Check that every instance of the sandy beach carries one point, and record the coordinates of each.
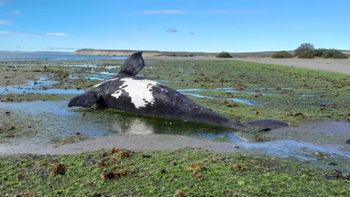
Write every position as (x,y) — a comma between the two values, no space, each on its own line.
(331,65)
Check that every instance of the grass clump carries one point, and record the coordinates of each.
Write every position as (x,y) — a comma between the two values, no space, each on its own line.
(224,55)
(282,54)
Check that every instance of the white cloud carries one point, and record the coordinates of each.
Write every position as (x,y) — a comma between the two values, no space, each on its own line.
(4,22)
(171,31)
(4,32)
(199,12)
(55,34)
(15,12)
(15,33)
(235,11)
(19,33)
(61,48)
(161,12)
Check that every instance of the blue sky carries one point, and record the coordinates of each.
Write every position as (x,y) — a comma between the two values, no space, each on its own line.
(173,25)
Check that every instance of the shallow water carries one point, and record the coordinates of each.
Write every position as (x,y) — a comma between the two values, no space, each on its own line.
(55,120)
(41,86)
(22,56)
(105,122)
(297,149)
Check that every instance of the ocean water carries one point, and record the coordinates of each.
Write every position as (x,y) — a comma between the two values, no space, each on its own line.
(21,56)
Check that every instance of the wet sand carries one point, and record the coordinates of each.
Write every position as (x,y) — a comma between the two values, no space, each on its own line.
(15,76)
(300,142)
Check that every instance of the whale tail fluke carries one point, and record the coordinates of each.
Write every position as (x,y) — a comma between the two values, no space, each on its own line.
(133,64)
(85,100)
(265,124)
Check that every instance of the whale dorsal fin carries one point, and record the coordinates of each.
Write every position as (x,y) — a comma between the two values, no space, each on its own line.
(133,64)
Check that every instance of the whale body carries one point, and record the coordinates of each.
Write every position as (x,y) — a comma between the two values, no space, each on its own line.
(130,93)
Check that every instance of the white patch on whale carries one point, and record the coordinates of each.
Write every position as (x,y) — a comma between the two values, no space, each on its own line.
(139,91)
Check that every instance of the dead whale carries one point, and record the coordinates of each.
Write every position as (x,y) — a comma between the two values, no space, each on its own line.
(134,94)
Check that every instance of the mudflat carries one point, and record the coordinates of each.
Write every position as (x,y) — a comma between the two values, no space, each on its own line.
(202,81)
(315,150)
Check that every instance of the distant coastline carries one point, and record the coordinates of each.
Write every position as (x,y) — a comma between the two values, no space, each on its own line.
(147,53)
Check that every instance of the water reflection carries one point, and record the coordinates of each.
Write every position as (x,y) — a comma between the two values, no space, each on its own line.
(125,123)
(135,126)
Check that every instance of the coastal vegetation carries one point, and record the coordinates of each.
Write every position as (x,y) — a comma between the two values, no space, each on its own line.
(224,55)
(282,54)
(307,51)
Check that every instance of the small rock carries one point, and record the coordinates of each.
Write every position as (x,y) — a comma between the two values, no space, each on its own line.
(347,141)
(146,156)
(336,173)
(58,169)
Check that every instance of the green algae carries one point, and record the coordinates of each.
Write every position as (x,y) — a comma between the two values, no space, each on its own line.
(161,173)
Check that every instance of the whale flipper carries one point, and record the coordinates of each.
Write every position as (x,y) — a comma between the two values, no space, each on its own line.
(265,124)
(133,64)
(85,100)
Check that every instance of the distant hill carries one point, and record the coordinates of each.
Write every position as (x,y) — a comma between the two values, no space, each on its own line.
(150,53)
